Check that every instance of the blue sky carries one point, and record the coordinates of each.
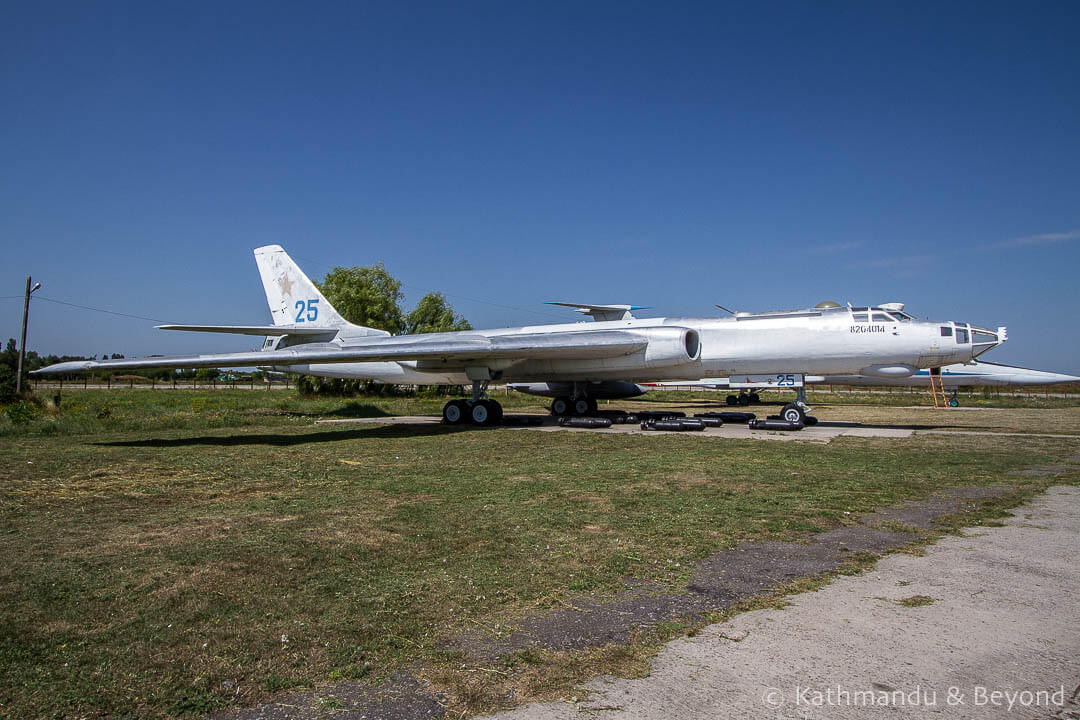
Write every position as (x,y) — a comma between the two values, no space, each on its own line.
(756,155)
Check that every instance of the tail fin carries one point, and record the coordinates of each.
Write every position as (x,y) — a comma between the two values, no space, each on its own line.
(293,298)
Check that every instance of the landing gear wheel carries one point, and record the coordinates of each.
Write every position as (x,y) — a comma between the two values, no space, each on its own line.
(744,399)
(754,398)
(560,406)
(584,406)
(485,413)
(793,413)
(454,412)
(732,400)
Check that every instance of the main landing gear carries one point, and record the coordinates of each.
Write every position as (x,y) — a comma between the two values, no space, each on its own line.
(480,410)
(577,403)
(563,406)
(743,398)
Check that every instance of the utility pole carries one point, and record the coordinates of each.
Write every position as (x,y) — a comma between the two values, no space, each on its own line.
(22,344)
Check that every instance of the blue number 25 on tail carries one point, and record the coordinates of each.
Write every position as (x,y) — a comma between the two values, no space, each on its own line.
(311,306)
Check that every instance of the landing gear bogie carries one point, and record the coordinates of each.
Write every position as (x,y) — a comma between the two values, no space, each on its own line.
(577,407)
(482,413)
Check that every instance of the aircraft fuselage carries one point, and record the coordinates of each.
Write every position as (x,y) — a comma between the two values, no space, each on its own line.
(829,342)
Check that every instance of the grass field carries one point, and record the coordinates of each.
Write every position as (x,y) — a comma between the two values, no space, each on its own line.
(170,553)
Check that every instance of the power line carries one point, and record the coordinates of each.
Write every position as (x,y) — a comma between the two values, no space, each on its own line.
(306,259)
(100,310)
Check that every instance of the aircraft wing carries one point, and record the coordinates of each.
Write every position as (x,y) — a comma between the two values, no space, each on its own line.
(457,349)
(262,330)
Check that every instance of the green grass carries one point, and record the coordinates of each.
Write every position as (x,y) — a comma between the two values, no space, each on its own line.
(89,412)
(198,550)
(916,601)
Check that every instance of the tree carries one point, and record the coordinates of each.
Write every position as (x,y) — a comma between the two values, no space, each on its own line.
(7,383)
(434,314)
(10,355)
(366,296)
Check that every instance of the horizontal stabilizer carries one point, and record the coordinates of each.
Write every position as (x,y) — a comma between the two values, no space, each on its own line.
(263,330)
(601,313)
(457,349)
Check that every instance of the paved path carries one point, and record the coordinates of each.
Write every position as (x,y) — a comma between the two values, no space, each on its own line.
(1005,618)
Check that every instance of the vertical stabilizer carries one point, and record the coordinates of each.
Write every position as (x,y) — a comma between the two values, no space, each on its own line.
(293,298)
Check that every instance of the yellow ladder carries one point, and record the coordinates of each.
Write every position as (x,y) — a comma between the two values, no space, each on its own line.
(934,387)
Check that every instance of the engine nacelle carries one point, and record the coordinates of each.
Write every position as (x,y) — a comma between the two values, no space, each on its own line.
(671,346)
(888,371)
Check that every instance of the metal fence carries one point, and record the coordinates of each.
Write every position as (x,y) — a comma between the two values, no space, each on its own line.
(131,382)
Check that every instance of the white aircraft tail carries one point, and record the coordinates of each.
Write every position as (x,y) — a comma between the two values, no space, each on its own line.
(293,298)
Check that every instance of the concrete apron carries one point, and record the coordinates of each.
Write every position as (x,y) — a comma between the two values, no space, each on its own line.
(1000,639)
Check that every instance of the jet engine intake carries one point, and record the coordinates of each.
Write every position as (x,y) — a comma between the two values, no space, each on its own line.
(671,346)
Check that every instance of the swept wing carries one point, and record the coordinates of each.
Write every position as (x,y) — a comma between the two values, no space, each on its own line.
(458,349)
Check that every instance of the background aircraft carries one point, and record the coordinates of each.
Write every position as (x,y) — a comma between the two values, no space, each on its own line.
(600,359)
(977,373)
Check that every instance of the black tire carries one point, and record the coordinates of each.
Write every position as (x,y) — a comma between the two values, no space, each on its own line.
(732,400)
(792,413)
(560,406)
(581,407)
(744,400)
(482,413)
(496,412)
(754,398)
(455,412)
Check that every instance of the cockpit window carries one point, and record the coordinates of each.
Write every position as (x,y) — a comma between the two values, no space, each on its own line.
(983,337)
(946,331)
(961,336)
(902,316)
(882,317)
(859,316)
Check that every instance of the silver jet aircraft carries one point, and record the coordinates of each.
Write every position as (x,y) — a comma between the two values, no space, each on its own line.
(602,359)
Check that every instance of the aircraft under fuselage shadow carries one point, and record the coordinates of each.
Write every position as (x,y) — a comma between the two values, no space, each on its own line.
(395,430)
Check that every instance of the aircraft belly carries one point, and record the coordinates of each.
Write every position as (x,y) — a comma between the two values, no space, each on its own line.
(545,370)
